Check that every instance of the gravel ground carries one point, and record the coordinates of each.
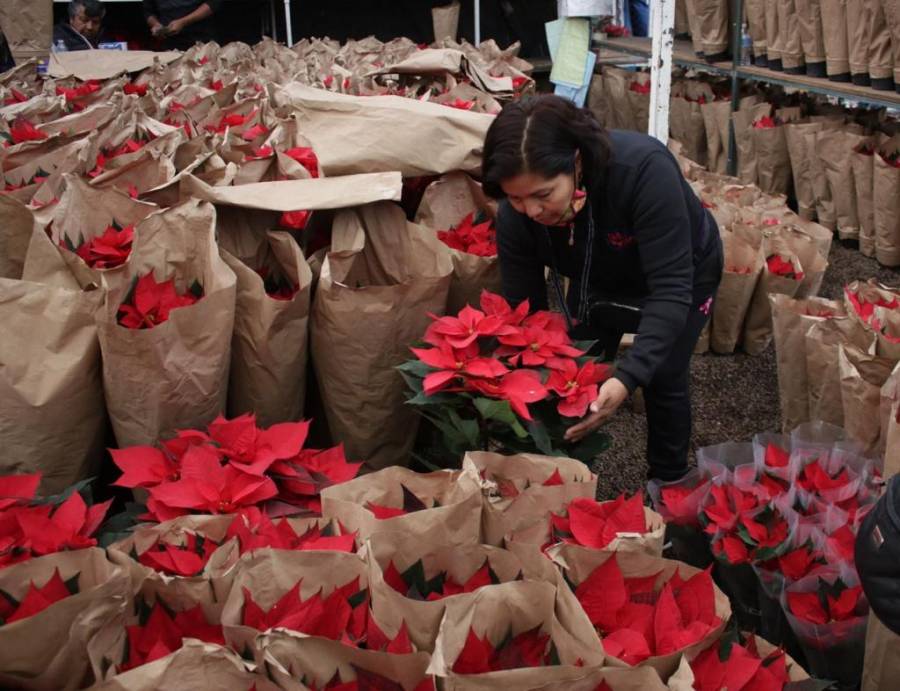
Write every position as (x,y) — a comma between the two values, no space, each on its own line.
(734,396)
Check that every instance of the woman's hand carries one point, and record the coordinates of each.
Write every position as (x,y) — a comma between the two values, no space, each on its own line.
(175,27)
(612,394)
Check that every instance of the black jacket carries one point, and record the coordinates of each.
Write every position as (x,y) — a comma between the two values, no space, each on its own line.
(650,232)
(878,556)
(167,10)
(66,38)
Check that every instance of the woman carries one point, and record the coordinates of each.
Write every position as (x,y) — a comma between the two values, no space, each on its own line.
(613,213)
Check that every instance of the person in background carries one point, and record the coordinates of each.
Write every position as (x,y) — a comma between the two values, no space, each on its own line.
(81,31)
(181,23)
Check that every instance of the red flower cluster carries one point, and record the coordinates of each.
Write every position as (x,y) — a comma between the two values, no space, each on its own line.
(30,530)
(778,266)
(164,633)
(150,302)
(23,131)
(866,309)
(15,96)
(86,89)
(829,602)
(108,250)
(679,503)
(739,668)
(596,524)
(185,560)
(767,122)
(135,89)
(638,621)
(639,88)
(232,465)
(413,584)
(479,239)
(255,530)
(460,104)
(37,599)
(474,350)
(342,615)
(528,649)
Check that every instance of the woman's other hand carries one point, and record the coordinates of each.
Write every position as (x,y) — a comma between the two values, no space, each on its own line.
(611,396)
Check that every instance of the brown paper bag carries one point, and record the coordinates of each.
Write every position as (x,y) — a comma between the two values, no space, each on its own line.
(774,37)
(812,38)
(47,651)
(773,160)
(639,102)
(179,593)
(882,663)
(791,320)
(52,417)
(716,146)
(834,23)
(174,375)
(514,489)
(269,347)
(446,21)
(378,283)
(597,102)
(859,21)
(517,607)
(825,212)
(862,162)
(822,341)
(460,563)
(808,252)
(758,325)
(577,563)
(743,265)
(16,225)
(835,148)
(83,213)
(742,121)
(756,20)
(270,573)
(294,660)
(687,125)
(713,20)
(801,167)
(446,202)
(886,201)
(455,501)
(694,24)
(862,377)
(196,666)
(28,28)
(615,82)
(354,134)
(789,35)
(880,41)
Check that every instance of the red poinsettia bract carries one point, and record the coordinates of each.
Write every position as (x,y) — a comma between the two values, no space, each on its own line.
(36,599)
(596,524)
(527,649)
(479,239)
(164,633)
(108,250)
(151,303)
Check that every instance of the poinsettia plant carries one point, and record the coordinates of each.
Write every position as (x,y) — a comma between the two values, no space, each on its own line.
(829,602)
(22,131)
(32,527)
(149,303)
(737,664)
(528,649)
(596,524)
(501,378)
(638,620)
(478,238)
(36,599)
(414,584)
(777,265)
(255,530)
(160,632)
(186,559)
(105,251)
(231,465)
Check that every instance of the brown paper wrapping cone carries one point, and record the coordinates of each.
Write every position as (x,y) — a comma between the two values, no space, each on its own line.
(378,284)
(501,514)
(456,521)
(862,377)
(48,650)
(577,563)
(174,375)
(734,294)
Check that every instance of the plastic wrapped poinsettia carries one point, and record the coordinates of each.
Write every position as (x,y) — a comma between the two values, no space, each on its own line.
(499,377)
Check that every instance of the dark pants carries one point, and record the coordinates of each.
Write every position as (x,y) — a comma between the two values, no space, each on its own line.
(667,396)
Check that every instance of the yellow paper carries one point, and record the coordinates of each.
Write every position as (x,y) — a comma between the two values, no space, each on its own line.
(570,58)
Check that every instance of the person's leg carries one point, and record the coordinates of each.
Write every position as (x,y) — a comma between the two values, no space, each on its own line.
(667,397)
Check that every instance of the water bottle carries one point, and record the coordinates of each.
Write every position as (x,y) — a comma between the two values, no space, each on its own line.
(746,45)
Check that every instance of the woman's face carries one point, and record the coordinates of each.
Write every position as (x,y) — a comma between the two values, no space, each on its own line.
(545,200)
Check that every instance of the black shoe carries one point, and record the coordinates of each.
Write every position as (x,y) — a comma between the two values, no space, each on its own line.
(717,57)
(775,65)
(861,79)
(843,78)
(816,69)
(886,84)
(760,61)
(795,70)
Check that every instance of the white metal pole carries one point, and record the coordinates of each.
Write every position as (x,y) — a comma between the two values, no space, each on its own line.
(662,28)
(477,22)
(289,32)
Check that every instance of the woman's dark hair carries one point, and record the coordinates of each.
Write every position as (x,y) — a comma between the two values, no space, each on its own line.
(541,135)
